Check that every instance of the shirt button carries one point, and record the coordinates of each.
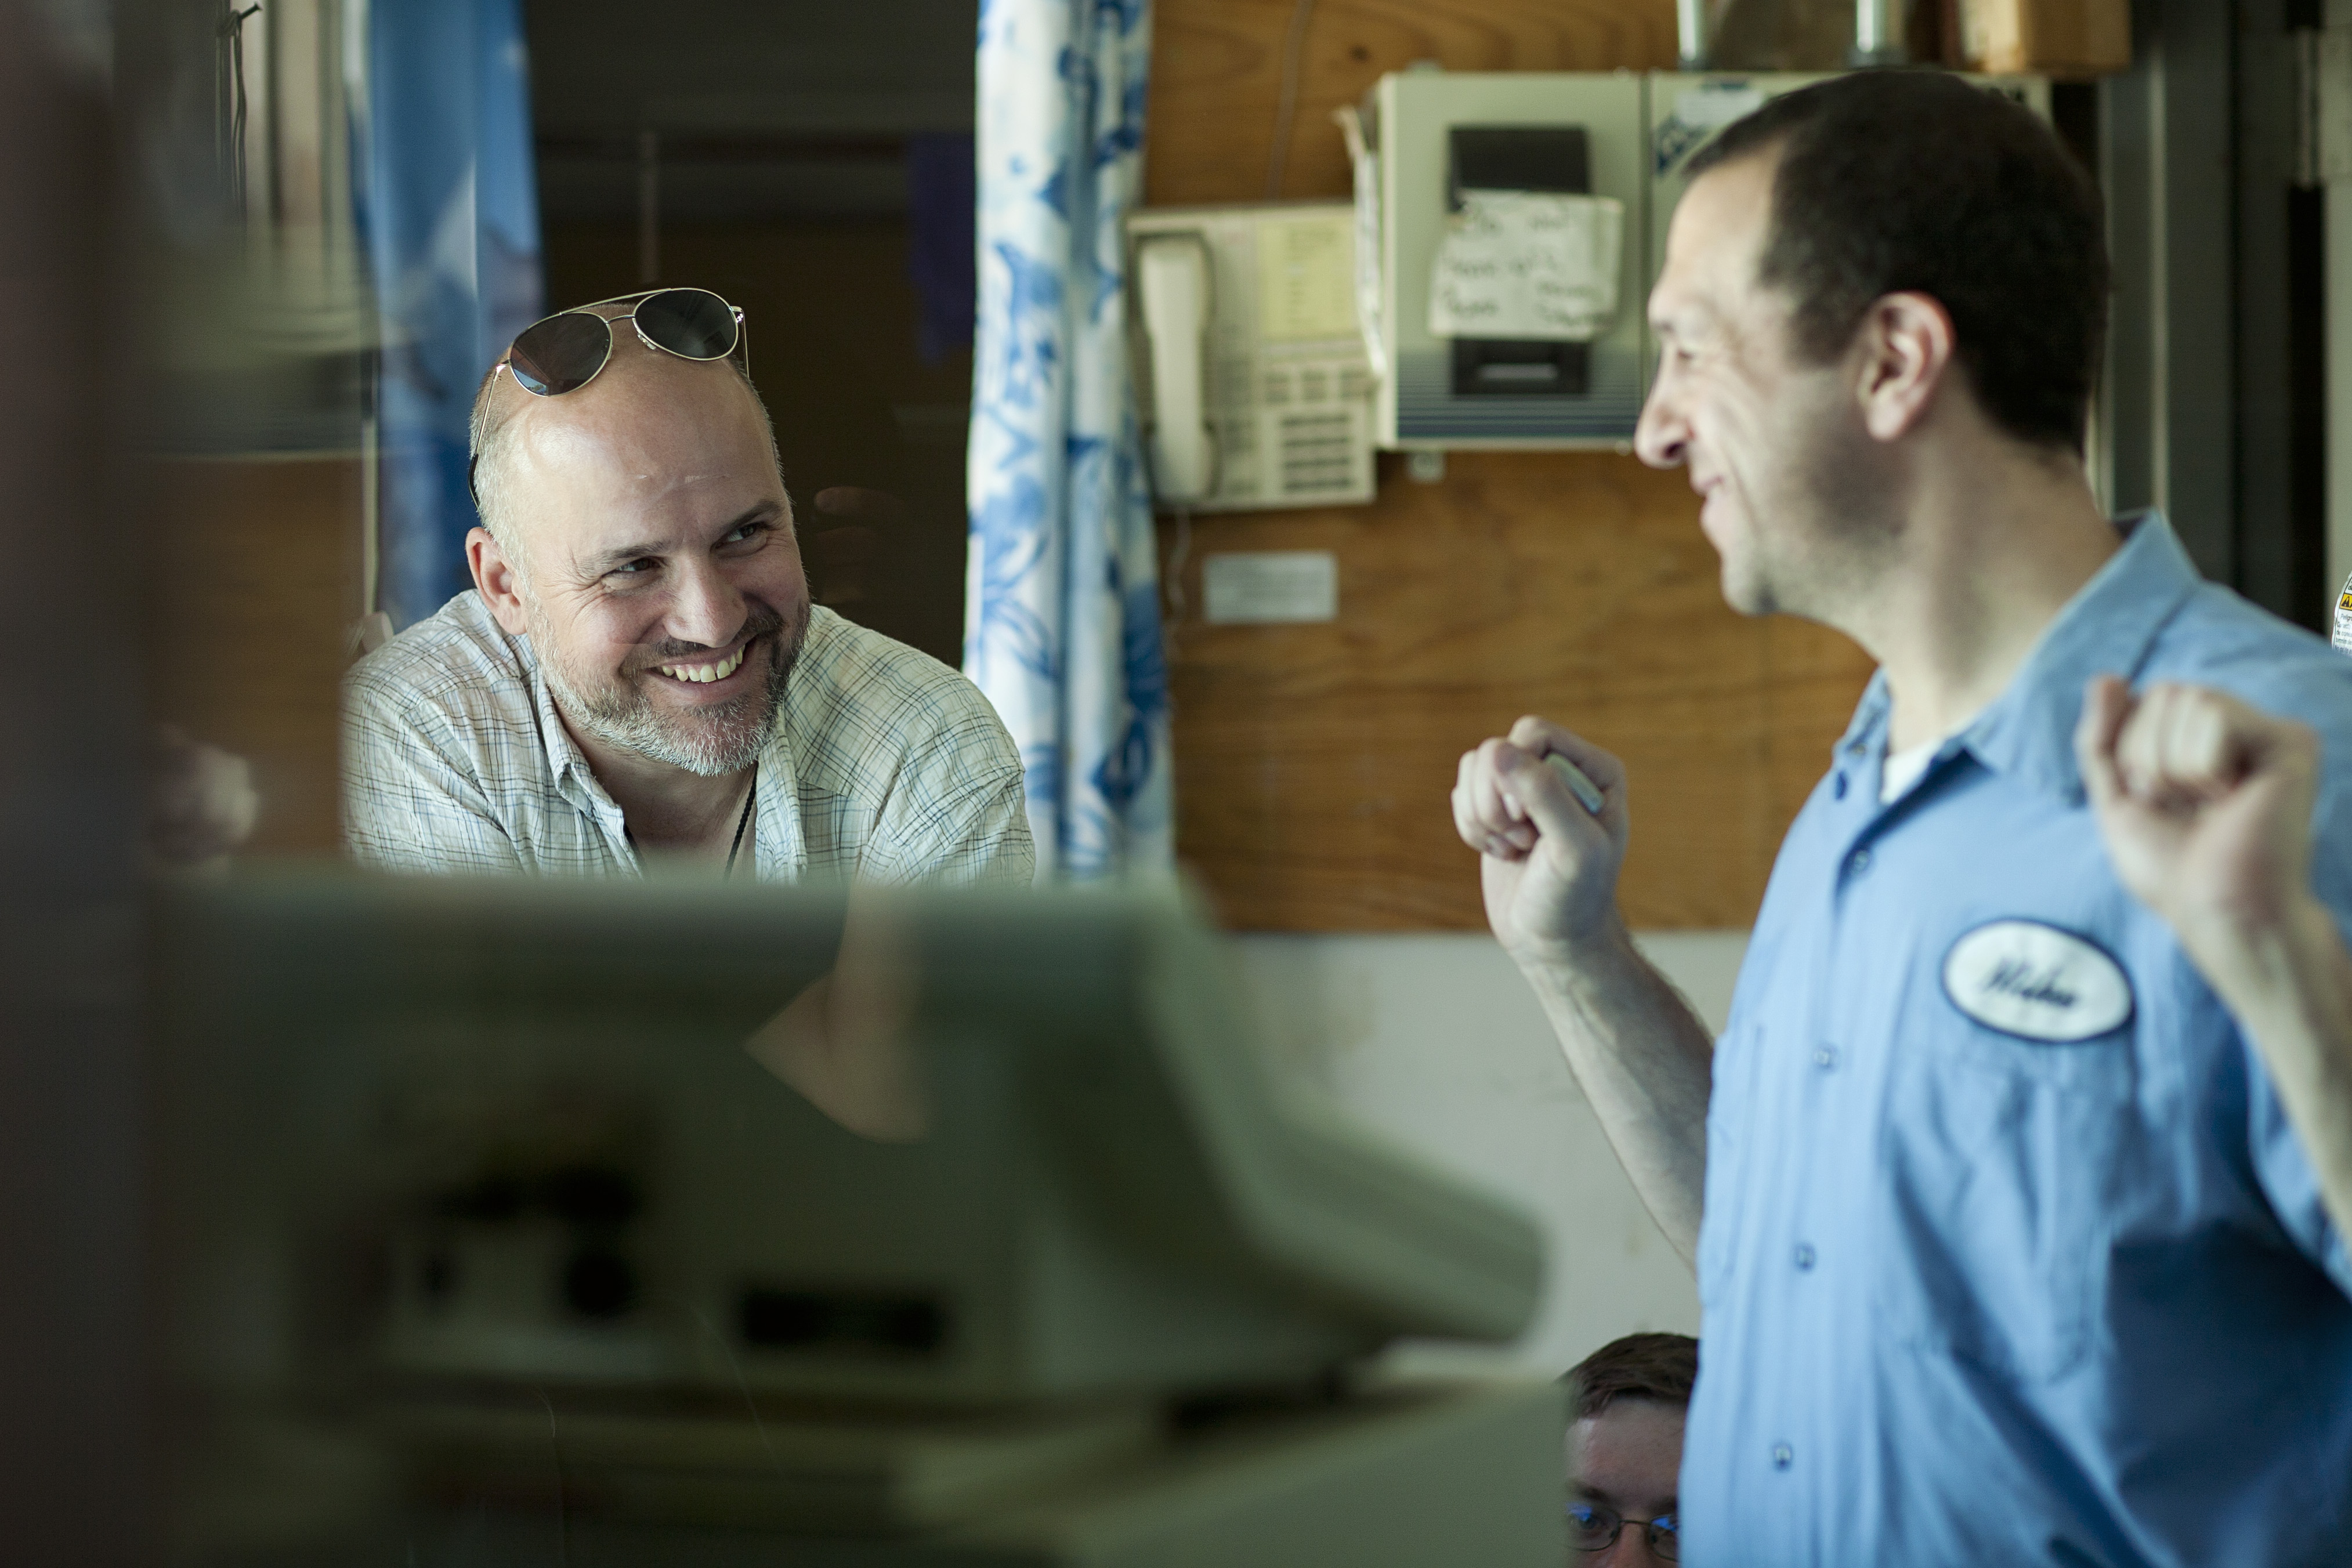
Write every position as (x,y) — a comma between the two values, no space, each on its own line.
(1783,1455)
(1858,862)
(1838,788)
(1826,1059)
(1804,1255)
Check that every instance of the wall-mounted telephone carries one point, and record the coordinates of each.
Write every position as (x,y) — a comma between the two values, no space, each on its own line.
(1251,373)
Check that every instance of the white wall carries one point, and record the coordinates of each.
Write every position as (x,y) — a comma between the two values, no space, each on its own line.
(1435,1040)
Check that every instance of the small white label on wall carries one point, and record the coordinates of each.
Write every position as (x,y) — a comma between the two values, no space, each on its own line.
(1270,588)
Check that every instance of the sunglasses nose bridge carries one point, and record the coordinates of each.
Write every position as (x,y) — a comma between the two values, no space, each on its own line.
(643,341)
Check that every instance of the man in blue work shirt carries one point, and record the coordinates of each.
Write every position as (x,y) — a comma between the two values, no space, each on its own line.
(2026,1158)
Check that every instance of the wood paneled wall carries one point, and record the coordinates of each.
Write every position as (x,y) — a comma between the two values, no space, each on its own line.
(256,583)
(1313,762)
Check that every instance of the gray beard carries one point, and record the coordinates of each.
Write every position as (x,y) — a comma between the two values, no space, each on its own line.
(714,743)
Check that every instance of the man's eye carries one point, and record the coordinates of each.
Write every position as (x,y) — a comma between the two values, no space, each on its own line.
(1591,1524)
(747,533)
(632,569)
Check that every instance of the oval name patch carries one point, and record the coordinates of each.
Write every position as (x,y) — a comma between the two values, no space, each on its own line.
(2037,982)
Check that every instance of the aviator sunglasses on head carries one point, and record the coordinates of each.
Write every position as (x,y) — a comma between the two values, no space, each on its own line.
(562,353)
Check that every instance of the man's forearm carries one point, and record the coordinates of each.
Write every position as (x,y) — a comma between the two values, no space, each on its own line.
(1644,1062)
(2290,989)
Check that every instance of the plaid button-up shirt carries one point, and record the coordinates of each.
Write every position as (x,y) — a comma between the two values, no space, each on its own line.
(885,764)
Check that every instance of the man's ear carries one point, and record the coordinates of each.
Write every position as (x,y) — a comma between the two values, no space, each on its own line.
(499,578)
(1905,346)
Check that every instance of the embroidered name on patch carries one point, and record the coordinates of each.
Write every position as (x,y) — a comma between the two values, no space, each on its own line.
(2037,982)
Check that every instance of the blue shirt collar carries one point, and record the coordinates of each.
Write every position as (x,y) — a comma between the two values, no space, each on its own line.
(2107,628)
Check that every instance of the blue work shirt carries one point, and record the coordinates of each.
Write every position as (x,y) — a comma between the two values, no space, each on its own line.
(2009,1254)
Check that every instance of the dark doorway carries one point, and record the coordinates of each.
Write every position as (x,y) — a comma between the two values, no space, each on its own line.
(811,161)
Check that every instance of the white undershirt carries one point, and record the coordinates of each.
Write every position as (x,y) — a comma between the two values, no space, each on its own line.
(1903,769)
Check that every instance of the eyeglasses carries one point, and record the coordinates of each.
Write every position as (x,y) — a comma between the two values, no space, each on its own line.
(562,353)
(1593,1528)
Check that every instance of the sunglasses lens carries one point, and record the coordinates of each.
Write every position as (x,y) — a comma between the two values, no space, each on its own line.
(692,323)
(558,355)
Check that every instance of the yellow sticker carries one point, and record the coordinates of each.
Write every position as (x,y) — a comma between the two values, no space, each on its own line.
(1306,278)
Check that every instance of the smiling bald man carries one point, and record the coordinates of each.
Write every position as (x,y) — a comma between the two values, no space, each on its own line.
(638,680)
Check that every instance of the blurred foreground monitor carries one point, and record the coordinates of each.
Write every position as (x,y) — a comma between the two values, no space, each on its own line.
(571,1223)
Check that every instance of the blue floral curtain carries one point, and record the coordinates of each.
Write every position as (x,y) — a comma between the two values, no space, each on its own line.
(1063,596)
(450,208)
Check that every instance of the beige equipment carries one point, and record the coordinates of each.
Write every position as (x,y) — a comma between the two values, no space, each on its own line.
(485,1237)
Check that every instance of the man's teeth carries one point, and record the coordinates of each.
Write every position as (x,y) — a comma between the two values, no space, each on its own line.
(702,674)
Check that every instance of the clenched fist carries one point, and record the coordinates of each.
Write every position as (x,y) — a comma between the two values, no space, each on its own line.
(2205,805)
(1548,866)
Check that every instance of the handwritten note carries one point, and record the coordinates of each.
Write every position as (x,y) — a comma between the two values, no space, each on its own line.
(1520,265)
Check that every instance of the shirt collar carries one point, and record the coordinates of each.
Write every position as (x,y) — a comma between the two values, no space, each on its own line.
(573,779)
(2107,628)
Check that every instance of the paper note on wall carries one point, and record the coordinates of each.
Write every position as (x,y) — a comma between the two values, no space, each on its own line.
(1528,265)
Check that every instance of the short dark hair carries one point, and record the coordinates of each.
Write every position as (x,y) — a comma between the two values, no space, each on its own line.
(1894,181)
(1660,1367)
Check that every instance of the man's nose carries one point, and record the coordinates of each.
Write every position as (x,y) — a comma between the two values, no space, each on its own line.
(706,609)
(1661,435)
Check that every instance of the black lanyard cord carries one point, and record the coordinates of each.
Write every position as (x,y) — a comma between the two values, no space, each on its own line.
(741,822)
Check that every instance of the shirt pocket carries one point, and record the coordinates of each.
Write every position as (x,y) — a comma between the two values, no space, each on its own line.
(1998,1153)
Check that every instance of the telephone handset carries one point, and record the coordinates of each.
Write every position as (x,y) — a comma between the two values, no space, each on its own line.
(1172,274)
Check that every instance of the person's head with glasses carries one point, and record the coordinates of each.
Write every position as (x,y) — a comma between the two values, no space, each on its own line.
(636,529)
(1626,1404)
